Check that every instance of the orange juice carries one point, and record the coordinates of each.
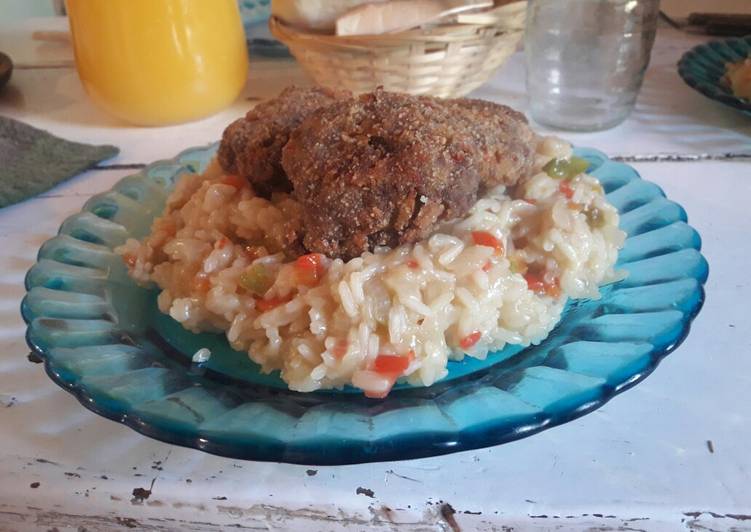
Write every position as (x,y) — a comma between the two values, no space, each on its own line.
(154,62)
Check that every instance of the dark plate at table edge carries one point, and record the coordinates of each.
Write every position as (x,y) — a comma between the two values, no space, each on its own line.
(714,91)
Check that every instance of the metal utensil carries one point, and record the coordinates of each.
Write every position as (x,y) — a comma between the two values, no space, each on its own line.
(732,25)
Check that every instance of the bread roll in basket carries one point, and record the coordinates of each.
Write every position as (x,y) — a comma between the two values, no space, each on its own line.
(447,59)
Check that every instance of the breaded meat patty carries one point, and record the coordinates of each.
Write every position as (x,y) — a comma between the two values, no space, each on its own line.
(380,169)
(251,146)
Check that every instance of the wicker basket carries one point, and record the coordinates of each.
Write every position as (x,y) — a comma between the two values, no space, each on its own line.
(447,60)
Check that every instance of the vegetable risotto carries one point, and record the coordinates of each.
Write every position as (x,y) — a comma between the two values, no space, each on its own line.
(500,275)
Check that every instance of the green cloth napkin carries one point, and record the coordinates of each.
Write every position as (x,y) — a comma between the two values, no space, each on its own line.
(32,160)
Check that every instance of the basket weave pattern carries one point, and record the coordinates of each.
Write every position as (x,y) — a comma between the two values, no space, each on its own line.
(447,60)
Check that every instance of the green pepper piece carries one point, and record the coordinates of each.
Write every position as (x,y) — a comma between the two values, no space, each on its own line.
(595,217)
(517,263)
(256,279)
(559,168)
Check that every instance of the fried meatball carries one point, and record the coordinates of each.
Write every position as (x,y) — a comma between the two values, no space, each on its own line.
(381,169)
(504,141)
(251,146)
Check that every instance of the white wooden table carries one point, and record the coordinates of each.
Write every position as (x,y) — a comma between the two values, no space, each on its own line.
(670,454)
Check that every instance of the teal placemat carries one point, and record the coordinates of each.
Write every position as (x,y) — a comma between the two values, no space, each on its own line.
(33,161)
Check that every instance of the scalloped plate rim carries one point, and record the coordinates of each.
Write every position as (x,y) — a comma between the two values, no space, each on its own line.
(230,451)
(459,440)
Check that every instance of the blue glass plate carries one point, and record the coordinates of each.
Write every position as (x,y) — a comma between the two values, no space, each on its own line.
(703,67)
(103,340)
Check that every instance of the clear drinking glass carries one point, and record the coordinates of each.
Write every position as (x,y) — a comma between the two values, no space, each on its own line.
(586,60)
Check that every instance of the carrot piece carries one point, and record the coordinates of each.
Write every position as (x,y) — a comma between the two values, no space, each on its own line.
(308,269)
(390,367)
(553,289)
(537,284)
(391,364)
(483,238)
(382,394)
(566,189)
(234,181)
(264,305)
(534,282)
(470,340)
(340,348)
(169,227)
(412,263)
(202,283)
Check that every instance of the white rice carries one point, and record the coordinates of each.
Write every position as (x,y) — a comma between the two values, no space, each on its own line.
(420,300)
(202,355)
